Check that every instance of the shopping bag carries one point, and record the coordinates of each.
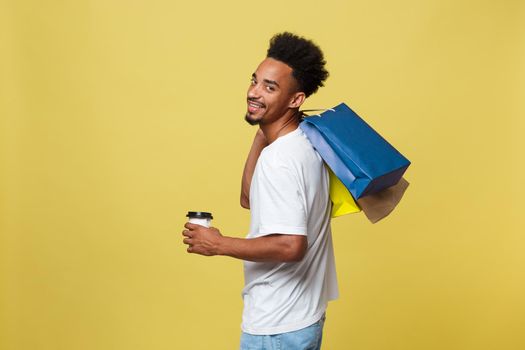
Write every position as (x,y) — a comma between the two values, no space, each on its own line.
(377,206)
(361,158)
(342,201)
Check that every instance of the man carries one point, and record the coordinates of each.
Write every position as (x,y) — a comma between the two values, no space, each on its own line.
(288,255)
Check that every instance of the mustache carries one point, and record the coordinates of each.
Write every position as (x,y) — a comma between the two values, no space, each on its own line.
(251,99)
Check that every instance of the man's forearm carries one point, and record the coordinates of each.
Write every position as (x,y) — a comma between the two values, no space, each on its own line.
(259,142)
(271,248)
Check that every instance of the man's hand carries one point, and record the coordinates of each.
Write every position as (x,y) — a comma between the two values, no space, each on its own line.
(201,240)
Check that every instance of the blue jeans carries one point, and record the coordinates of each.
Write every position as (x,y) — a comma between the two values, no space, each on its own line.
(308,338)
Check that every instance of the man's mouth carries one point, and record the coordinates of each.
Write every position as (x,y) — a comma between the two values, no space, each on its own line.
(253,107)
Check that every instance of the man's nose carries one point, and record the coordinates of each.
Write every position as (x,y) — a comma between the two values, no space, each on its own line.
(253,91)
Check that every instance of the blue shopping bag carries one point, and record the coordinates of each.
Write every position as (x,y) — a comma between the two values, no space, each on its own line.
(363,160)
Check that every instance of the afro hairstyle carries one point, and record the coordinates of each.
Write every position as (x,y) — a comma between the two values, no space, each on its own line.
(304,57)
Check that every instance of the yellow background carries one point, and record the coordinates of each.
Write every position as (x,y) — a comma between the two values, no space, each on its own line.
(117,117)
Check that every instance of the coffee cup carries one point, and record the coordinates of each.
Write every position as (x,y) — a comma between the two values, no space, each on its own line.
(200,218)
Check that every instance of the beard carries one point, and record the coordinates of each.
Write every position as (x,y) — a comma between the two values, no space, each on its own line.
(251,121)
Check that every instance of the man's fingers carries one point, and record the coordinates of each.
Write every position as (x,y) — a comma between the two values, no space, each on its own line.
(186,233)
(188,241)
(190,226)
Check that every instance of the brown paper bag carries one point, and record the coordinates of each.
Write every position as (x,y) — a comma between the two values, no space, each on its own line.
(378,205)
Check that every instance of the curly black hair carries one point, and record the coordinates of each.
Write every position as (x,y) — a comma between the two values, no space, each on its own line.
(304,57)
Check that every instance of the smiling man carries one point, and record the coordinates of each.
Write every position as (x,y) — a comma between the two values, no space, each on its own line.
(288,255)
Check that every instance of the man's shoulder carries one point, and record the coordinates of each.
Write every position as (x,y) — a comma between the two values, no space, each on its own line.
(292,143)
(291,152)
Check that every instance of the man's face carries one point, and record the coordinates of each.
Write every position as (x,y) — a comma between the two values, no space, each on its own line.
(271,91)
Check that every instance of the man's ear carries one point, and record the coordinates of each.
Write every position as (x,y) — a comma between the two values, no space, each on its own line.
(297,100)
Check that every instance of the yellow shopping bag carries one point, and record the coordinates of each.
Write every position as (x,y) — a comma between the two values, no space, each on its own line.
(342,200)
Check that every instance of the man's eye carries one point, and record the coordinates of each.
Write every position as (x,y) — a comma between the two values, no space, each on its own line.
(270,88)
(252,81)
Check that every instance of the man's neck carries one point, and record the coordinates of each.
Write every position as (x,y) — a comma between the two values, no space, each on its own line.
(282,126)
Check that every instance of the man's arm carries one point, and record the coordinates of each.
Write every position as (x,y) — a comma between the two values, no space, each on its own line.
(259,142)
(271,248)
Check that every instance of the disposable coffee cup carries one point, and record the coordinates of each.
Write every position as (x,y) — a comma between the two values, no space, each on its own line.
(200,218)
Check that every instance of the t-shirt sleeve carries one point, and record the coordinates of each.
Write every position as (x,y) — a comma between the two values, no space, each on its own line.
(281,199)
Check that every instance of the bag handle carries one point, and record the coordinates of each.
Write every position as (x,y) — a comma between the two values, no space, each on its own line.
(315,110)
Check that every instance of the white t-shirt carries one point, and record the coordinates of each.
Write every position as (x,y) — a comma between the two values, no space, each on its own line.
(289,195)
